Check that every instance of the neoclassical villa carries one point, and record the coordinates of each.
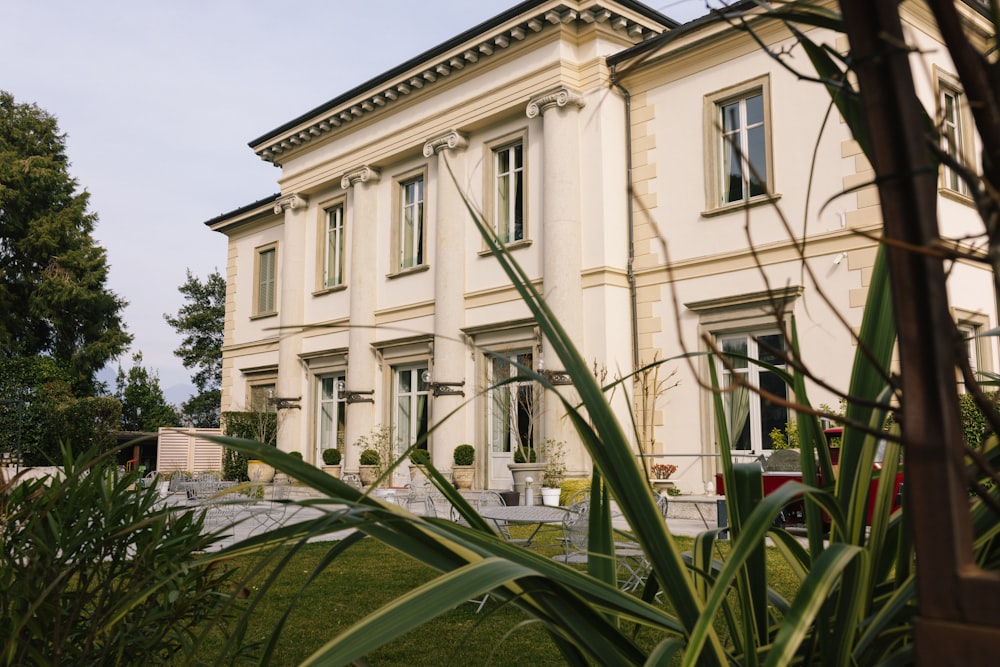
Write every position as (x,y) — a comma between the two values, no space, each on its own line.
(655,180)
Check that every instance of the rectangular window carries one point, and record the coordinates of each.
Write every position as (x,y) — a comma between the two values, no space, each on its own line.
(508,193)
(750,418)
(334,247)
(738,144)
(411,223)
(410,397)
(513,404)
(266,280)
(261,398)
(744,161)
(332,415)
(952,137)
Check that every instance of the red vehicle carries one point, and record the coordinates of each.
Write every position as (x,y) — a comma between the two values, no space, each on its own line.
(794,513)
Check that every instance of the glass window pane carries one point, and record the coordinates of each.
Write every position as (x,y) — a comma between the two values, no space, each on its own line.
(772,415)
(757,156)
(518,232)
(736,346)
(730,117)
(732,173)
(755,110)
(766,344)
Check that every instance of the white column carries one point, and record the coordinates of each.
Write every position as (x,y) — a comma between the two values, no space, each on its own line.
(362,291)
(291,263)
(561,225)
(449,295)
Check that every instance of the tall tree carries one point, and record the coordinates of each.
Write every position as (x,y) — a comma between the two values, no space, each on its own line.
(200,321)
(53,275)
(144,408)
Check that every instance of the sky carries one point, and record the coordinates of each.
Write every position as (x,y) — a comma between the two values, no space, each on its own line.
(159,100)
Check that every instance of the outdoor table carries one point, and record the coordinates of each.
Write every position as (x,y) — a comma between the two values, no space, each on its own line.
(537,515)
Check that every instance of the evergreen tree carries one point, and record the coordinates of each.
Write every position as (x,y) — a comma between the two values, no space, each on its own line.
(144,408)
(200,321)
(52,273)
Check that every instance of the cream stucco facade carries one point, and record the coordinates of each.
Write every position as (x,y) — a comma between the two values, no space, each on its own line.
(362,295)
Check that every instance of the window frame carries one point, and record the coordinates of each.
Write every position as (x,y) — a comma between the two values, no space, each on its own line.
(269,387)
(492,149)
(949,181)
(338,401)
(260,288)
(513,395)
(716,146)
(399,205)
(324,247)
(418,396)
(760,425)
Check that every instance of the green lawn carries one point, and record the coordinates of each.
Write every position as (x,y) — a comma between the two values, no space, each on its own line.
(369,575)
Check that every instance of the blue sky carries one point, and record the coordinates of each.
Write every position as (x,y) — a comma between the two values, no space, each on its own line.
(159,100)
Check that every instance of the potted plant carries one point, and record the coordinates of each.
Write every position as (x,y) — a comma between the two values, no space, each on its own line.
(463,470)
(525,467)
(419,459)
(331,462)
(369,465)
(661,473)
(555,470)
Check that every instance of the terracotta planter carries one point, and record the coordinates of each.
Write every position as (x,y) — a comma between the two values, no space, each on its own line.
(368,474)
(332,471)
(259,472)
(464,476)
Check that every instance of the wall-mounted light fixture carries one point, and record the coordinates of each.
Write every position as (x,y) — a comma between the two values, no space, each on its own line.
(286,403)
(354,396)
(443,388)
(553,377)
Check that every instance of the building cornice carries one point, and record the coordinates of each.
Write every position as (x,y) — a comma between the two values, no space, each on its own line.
(470,49)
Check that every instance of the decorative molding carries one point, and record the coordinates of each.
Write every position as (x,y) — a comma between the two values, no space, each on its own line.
(363,174)
(289,203)
(431,72)
(558,97)
(449,140)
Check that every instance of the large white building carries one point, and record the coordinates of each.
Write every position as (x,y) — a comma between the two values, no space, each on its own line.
(595,136)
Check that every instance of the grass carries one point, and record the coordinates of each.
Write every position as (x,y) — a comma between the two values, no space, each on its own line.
(369,575)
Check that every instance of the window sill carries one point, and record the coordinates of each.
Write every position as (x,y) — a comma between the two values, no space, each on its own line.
(409,271)
(263,316)
(328,290)
(516,245)
(742,205)
(955,196)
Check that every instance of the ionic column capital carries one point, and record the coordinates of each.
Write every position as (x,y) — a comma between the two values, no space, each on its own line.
(449,140)
(289,203)
(557,97)
(364,174)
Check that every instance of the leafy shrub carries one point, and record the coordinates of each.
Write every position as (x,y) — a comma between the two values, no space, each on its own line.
(464,455)
(296,454)
(974,425)
(259,426)
(420,457)
(331,456)
(96,573)
(519,455)
(369,457)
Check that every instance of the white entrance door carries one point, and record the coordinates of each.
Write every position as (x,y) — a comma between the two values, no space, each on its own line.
(410,418)
(511,407)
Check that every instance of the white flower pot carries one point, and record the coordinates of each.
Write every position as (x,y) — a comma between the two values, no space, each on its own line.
(550,495)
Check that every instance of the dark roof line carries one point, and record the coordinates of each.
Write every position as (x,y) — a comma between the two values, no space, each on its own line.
(243,209)
(667,37)
(444,47)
